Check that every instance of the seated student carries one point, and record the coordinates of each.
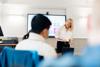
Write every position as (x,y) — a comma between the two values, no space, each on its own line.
(37,35)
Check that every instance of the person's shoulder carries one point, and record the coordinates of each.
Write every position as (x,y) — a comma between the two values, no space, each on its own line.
(22,42)
(48,46)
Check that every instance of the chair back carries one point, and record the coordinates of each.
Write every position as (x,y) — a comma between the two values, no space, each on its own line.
(67,50)
(18,58)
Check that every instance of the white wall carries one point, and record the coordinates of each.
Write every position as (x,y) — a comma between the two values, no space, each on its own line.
(0,12)
(80,15)
(15,18)
(14,15)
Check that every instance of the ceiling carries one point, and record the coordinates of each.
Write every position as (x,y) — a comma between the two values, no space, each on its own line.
(50,3)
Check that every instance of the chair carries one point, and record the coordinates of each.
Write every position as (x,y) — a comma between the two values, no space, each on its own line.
(41,58)
(18,58)
(0,60)
(67,50)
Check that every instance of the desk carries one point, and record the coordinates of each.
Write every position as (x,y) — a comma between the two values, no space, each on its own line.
(8,45)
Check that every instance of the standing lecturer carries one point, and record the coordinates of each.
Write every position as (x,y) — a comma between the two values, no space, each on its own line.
(64,36)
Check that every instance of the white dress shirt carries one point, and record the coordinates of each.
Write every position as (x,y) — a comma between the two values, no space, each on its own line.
(37,43)
(63,34)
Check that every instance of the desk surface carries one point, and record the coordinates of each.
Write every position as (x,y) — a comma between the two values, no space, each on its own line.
(7,44)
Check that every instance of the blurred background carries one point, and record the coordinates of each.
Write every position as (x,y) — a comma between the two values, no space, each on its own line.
(13,17)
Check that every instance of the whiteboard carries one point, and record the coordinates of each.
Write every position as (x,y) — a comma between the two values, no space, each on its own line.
(56,20)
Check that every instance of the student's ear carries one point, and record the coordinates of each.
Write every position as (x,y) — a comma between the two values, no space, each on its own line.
(44,33)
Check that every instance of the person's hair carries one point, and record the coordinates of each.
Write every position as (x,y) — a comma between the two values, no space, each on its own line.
(71,23)
(39,23)
(26,36)
(71,26)
(70,19)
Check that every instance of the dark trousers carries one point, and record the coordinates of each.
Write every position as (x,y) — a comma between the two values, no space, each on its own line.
(61,45)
